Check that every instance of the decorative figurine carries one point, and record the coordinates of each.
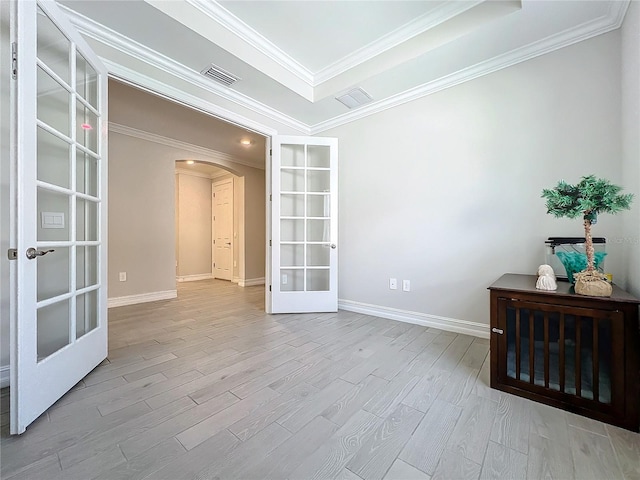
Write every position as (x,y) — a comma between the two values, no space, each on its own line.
(546,278)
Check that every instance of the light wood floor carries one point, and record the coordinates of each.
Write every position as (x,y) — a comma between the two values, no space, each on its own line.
(208,386)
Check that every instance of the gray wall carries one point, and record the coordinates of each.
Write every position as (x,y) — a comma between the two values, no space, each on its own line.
(631,142)
(445,191)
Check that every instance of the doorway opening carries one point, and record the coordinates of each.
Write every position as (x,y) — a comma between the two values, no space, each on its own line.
(209,217)
(153,141)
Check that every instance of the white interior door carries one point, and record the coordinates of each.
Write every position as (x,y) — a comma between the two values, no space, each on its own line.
(59,306)
(304,225)
(222,229)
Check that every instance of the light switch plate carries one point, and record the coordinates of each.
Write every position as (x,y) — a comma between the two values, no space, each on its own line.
(52,219)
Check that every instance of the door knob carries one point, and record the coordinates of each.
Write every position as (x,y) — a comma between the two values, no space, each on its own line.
(333,245)
(33,253)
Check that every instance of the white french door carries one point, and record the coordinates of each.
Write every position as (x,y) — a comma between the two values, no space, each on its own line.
(59,134)
(304,225)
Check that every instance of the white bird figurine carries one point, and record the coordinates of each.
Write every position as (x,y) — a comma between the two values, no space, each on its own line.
(546,278)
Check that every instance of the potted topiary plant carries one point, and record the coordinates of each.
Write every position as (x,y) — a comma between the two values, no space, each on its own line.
(588,198)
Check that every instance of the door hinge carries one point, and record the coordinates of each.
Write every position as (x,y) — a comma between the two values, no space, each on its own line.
(271,152)
(497,330)
(12,253)
(14,60)
(270,197)
(269,287)
(269,242)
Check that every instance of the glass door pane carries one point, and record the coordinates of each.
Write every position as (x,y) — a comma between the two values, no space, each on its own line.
(65,205)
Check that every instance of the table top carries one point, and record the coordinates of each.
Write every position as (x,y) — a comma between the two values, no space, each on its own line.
(527,283)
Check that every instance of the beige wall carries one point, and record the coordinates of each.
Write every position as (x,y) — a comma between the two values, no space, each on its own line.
(445,191)
(141,217)
(631,142)
(238,227)
(254,220)
(142,206)
(193,234)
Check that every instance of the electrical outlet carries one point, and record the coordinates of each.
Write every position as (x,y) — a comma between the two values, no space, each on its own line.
(406,285)
(123,276)
(285,279)
(393,283)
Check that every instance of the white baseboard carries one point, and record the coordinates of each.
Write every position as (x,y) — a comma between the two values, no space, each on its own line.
(141,298)
(251,282)
(449,324)
(4,376)
(194,278)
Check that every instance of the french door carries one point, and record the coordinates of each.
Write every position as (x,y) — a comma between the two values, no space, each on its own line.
(304,225)
(59,127)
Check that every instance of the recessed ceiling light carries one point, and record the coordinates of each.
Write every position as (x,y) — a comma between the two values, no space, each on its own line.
(190,162)
(245,142)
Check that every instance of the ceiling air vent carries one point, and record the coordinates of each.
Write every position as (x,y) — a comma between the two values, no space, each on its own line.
(220,75)
(355,98)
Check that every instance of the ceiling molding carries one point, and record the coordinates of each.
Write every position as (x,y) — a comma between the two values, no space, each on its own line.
(222,158)
(228,20)
(617,11)
(601,25)
(191,173)
(417,26)
(136,50)
(155,87)
(421,24)
(587,30)
(211,176)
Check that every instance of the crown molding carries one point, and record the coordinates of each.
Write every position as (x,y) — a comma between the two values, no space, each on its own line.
(429,20)
(581,32)
(140,52)
(191,173)
(155,87)
(617,12)
(221,157)
(601,25)
(237,27)
(402,34)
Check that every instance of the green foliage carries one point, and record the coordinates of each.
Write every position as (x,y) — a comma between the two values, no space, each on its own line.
(588,198)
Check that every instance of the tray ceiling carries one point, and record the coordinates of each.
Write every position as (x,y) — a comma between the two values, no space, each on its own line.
(294,58)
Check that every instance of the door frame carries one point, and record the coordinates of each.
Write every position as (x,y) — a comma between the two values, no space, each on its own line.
(214,183)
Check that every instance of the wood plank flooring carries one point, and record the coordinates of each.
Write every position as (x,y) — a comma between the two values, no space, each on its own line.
(208,386)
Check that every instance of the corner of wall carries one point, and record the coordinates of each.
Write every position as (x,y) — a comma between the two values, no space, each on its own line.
(630,111)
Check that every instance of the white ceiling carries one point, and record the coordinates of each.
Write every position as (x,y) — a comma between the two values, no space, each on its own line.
(294,57)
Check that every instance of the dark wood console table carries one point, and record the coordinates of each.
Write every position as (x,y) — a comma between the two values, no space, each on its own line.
(571,351)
